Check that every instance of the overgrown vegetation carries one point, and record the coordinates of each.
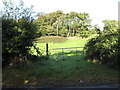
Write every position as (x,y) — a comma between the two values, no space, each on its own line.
(104,48)
(18,32)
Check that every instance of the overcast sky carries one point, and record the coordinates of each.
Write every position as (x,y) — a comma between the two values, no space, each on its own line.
(98,9)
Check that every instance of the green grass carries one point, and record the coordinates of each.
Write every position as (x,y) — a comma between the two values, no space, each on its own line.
(70,68)
(66,44)
(51,39)
(59,68)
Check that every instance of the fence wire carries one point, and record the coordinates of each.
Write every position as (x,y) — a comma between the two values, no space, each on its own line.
(59,47)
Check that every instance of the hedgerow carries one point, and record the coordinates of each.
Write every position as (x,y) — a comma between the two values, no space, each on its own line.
(104,49)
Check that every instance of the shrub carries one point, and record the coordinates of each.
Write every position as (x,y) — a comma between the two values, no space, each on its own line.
(103,48)
(18,32)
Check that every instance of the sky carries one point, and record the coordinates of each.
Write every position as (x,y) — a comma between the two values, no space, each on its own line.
(98,9)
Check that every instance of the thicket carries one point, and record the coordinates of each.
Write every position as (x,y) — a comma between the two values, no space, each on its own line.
(18,33)
(105,47)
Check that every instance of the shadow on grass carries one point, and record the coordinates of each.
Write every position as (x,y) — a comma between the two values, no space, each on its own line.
(60,67)
(73,55)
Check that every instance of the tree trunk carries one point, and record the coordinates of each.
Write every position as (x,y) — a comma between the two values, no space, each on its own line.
(73,32)
(68,32)
(57,30)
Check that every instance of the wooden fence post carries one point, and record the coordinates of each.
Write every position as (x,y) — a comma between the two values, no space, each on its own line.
(47,49)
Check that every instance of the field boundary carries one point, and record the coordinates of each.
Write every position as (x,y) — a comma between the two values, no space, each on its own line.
(67,48)
(62,50)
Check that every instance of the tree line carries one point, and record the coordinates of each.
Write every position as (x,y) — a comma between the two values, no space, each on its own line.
(66,25)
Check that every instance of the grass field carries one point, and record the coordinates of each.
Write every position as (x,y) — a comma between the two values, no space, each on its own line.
(70,42)
(71,67)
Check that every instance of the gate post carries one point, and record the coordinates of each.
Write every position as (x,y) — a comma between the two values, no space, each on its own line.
(47,49)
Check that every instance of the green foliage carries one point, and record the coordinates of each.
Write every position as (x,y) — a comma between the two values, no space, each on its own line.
(103,48)
(96,29)
(60,24)
(110,26)
(19,32)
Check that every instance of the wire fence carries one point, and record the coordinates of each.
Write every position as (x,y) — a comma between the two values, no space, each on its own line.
(65,50)
(64,53)
(59,45)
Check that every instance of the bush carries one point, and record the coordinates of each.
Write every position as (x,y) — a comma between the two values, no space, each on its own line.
(18,32)
(103,48)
